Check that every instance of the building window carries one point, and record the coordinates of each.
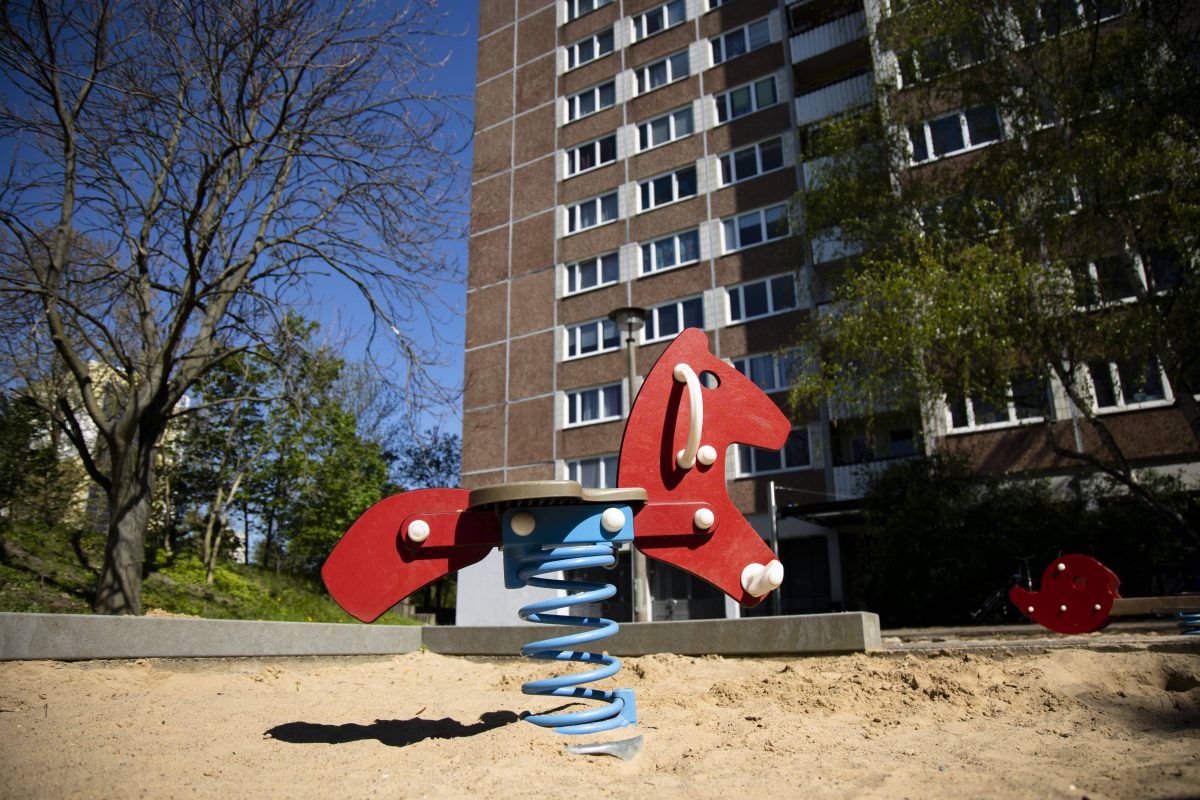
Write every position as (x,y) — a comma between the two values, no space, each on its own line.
(668,188)
(587,50)
(591,213)
(577,8)
(1026,401)
(659,19)
(597,336)
(762,298)
(740,41)
(1104,280)
(756,227)
(955,133)
(593,154)
(1123,384)
(671,251)
(589,101)
(667,320)
(715,4)
(750,162)
(769,372)
(1052,17)
(666,128)
(594,473)
(592,273)
(746,99)
(660,73)
(597,404)
(794,455)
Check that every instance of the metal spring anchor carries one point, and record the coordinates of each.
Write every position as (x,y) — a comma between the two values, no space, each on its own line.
(551,539)
(1189,622)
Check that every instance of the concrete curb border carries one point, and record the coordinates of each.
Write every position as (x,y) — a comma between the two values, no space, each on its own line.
(77,637)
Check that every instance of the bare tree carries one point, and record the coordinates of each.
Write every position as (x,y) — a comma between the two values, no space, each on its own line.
(180,172)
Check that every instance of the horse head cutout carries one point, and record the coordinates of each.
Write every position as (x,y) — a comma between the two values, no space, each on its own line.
(690,409)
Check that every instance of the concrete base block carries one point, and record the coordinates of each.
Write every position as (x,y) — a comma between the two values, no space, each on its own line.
(72,637)
(848,632)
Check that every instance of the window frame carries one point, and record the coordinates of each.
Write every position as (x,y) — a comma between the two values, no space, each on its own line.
(744,31)
(642,74)
(573,48)
(1012,412)
(575,465)
(770,281)
(723,98)
(572,339)
(573,403)
(727,248)
(674,239)
(638,21)
(731,157)
(573,12)
(964,132)
(1116,382)
(670,116)
(654,321)
(574,215)
(650,184)
(573,114)
(782,364)
(571,274)
(572,156)
(751,453)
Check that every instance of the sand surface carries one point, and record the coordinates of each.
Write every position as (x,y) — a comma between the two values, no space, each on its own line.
(1067,723)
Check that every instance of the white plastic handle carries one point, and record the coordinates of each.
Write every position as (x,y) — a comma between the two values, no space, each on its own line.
(686,457)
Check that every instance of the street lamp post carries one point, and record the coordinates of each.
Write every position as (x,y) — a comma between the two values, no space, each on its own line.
(632,319)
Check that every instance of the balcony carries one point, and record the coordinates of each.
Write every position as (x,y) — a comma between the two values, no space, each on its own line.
(834,99)
(850,480)
(828,245)
(828,36)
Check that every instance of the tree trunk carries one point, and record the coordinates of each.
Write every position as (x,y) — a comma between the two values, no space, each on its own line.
(119,590)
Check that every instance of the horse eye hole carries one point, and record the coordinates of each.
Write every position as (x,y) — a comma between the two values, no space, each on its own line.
(709,380)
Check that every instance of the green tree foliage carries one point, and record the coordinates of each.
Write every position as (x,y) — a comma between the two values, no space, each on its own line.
(33,485)
(430,462)
(1045,236)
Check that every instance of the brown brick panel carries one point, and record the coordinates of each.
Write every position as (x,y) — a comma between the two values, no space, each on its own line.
(603,239)
(760,63)
(591,305)
(669,219)
(734,15)
(762,336)
(671,285)
(752,128)
(535,83)
(590,127)
(483,376)
(590,184)
(487,258)
(493,151)
(532,300)
(495,14)
(765,190)
(598,20)
(533,187)
(589,74)
(533,244)
(489,203)
(485,315)
(849,60)
(635,7)
(660,45)
(480,479)
(664,98)
(531,431)
(483,439)
(590,439)
(531,366)
(536,472)
(593,370)
(758,262)
(495,55)
(661,159)
(493,101)
(535,134)
(535,34)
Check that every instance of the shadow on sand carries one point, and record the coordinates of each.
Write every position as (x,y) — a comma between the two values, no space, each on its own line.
(392,732)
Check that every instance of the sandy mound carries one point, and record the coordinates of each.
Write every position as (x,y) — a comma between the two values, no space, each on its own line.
(1064,723)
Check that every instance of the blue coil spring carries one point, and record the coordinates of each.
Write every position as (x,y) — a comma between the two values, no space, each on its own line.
(532,566)
(1189,622)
